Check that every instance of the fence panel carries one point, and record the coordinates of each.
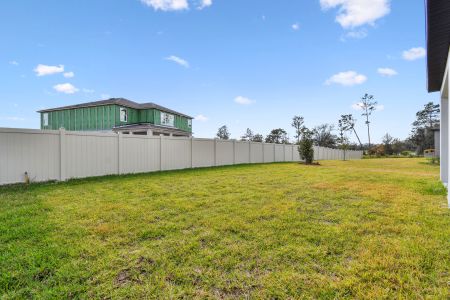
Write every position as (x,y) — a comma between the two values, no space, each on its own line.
(316,152)
(203,153)
(257,155)
(269,153)
(87,155)
(279,152)
(30,151)
(139,154)
(288,153)
(176,153)
(225,153)
(61,155)
(296,153)
(242,152)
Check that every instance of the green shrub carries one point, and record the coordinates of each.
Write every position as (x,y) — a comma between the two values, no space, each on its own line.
(305,147)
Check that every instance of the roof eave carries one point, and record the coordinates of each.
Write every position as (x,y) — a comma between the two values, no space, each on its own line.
(438,41)
(119,102)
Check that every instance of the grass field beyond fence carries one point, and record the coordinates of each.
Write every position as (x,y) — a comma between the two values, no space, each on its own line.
(356,229)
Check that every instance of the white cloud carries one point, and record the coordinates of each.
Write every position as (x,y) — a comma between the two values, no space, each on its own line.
(69,74)
(201,118)
(174,5)
(388,72)
(178,60)
(357,34)
(88,91)
(244,100)
(358,106)
(167,5)
(105,96)
(414,53)
(295,26)
(348,78)
(14,63)
(65,88)
(43,70)
(354,13)
(205,3)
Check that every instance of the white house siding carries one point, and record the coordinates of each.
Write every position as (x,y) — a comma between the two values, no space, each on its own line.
(444,130)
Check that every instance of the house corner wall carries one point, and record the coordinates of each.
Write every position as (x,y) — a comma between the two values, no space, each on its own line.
(445,132)
(444,136)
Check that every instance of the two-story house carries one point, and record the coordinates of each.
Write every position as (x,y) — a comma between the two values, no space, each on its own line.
(118,115)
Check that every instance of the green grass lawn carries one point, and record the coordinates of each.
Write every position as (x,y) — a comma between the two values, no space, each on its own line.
(359,229)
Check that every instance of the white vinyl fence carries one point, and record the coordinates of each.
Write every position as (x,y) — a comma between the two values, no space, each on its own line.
(61,155)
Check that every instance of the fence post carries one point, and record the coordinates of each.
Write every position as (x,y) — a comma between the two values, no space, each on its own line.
(234,152)
(161,138)
(119,152)
(249,152)
(293,148)
(274,153)
(192,152)
(215,152)
(62,154)
(263,156)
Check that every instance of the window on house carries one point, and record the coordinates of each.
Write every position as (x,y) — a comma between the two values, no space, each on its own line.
(190,123)
(45,119)
(123,115)
(167,119)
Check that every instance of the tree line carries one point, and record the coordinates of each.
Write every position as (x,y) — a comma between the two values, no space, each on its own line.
(332,136)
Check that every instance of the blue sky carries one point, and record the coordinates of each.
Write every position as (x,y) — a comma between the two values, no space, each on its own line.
(236,62)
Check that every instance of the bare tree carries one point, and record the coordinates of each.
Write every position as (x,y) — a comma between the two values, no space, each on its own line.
(342,139)
(297,123)
(349,122)
(368,105)
(252,137)
(248,136)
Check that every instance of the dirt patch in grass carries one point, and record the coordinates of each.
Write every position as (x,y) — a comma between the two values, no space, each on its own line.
(315,163)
